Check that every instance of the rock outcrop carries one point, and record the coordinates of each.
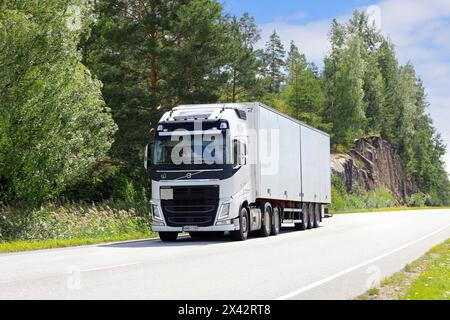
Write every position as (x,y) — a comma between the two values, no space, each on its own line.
(373,163)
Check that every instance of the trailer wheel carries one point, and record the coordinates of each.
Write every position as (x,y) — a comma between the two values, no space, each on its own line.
(244,223)
(168,236)
(305,218)
(266,229)
(276,221)
(316,215)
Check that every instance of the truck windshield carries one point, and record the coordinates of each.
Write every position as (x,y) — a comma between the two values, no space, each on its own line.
(202,149)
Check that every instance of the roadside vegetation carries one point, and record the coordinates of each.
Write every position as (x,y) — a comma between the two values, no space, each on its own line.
(361,200)
(343,211)
(71,224)
(83,82)
(425,279)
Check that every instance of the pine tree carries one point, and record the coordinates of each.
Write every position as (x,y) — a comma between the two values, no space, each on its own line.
(295,61)
(390,113)
(303,94)
(274,63)
(243,67)
(153,55)
(296,65)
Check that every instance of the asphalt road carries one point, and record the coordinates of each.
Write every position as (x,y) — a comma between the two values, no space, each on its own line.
(340,260)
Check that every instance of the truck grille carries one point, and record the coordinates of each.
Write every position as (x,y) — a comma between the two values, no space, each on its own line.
(192,206)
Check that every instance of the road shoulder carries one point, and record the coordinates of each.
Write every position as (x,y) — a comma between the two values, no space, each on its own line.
(425,279)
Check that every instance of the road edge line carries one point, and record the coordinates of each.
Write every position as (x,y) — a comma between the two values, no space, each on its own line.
(343,272)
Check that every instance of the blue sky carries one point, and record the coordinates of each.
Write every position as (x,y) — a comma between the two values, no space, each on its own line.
(266,11)
(420,29)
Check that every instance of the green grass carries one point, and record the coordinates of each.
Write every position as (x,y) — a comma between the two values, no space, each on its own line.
(386,209)
(19,245)
(373,291)
(56,225)
(427,278)
(434,282)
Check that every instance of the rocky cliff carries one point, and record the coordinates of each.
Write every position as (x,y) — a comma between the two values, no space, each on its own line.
(373,163)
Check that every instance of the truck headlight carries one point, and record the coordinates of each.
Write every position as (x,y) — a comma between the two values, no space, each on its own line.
(156,213)
(224,211)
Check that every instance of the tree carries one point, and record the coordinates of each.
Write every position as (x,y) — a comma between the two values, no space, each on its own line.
(374,96)
(390,112)
(243,64)
(296,65)
(153,55)
(295,61)
(371,39)
(304,93)
(274,63)
(344,76)
(54,124)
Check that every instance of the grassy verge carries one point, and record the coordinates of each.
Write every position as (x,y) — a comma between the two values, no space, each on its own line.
(425,279)
(29,245)
(71,224)
(386,209)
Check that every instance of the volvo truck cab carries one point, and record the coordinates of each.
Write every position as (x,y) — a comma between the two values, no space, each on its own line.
(200,171)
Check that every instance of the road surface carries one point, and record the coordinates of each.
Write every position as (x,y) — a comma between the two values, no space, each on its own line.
(340,260)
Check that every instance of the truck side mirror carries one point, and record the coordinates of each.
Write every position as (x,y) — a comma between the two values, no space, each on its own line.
(243,160)
(243,150)
(148,156)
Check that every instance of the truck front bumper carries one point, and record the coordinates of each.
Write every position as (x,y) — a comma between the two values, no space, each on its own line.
(220,228)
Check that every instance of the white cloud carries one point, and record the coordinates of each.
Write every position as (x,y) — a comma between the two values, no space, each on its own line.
(311,38)
(420,31)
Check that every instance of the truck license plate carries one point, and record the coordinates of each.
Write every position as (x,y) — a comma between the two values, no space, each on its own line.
(190,228)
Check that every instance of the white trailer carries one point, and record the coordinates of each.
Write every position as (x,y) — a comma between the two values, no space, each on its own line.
(237,168)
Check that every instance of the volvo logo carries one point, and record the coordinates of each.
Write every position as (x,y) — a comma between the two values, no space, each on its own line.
(189,175)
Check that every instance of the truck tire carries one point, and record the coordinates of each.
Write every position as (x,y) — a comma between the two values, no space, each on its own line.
(305,218)
(168,236)
(266,229)
(244,223)
(316,215)
(276,221)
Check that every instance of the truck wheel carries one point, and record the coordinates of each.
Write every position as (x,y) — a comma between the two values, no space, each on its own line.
(168,236)
(305,218)
(244,223)
(316,215)
(266,229)
(276,221)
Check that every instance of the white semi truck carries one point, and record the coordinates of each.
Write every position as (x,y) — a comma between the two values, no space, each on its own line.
(236,168)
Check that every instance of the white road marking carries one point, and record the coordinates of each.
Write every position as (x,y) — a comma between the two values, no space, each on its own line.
(111,267)
(339,274)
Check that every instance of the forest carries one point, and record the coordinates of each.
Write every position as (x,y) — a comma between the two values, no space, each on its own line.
(82,84)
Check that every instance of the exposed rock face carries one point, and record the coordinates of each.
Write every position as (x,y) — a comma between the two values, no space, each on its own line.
(373,163)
